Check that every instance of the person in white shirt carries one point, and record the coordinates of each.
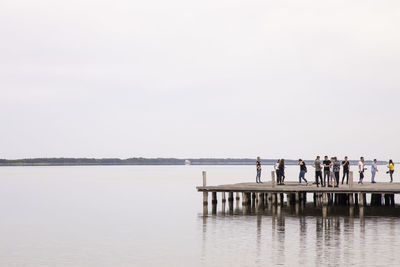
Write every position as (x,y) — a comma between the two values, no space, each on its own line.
(374,169)
(276,168)
(331,174)
(361,169)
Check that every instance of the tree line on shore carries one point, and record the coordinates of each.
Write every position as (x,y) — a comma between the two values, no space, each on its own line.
(144,161)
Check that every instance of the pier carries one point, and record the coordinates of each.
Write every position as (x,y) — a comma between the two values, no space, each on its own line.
(269,194)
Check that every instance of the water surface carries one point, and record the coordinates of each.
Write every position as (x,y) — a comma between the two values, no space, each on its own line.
(148,215)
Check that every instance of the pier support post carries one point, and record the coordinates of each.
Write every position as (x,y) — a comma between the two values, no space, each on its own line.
(223,202)
(230,196)
(389,199)
(361,199)
(237,196)
(214,202)
(205,198)
(273,198)
(297,197)
(273,180)
(279,198)
(324,199)
(288,200)
(305,198)
(351,199)
(214,198)
(230,202)
(351,179)
(260,200)
(244,199)
(204,179)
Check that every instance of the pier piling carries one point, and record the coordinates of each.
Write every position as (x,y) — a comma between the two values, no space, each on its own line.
(214,198)
(351,199)
(324,199)
(205,198)
(351,179)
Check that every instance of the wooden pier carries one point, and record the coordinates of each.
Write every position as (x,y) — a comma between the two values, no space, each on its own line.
(270,194)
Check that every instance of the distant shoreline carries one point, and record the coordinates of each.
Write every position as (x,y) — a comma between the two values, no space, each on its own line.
(149,161)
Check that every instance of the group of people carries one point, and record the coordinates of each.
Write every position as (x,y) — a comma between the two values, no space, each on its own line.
(327,172)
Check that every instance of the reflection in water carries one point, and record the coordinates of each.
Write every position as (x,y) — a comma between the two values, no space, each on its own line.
(259,238)
(300,234)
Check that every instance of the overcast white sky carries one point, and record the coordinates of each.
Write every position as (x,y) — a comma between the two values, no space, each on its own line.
(216,78)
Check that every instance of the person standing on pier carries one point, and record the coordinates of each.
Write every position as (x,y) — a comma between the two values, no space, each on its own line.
(258,167)
(331,177)
(276,168)
(318,171)
(303,171)
(346,169)
(336,171)
(361,169)
(327,164)
(391,170)
(281,171)
(374,169)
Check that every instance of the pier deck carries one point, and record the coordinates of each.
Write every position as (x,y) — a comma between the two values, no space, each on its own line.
(270,192)
(293,187)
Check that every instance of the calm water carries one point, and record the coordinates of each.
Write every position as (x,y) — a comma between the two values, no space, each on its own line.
(148,215)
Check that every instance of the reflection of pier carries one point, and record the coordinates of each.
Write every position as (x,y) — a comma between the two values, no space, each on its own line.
(255,196)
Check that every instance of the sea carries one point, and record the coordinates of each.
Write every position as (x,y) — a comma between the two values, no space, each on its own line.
(153,216)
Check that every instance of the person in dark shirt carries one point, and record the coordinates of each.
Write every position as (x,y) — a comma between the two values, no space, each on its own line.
(303,171)
(327,164)
(281,171)
(277,173)
(318,171)
(258,167)
(346,169)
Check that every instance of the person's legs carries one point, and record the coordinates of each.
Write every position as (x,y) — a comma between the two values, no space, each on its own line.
(361,178)
(320,178)
(347,176)
(391,176)
(258,176)
(344,174)
(326,174)
(302,176)
(330,179)
(373,177)
(337,176)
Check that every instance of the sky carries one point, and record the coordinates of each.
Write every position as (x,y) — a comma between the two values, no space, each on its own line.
(276,79)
